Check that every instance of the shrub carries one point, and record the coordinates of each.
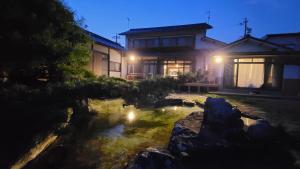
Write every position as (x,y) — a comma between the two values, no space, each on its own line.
(152,90)
(187,77)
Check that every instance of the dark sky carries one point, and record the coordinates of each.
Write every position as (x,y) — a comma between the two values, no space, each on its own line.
(108,17)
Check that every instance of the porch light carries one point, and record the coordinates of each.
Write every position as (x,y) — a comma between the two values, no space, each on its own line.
(132,58)
(218,59)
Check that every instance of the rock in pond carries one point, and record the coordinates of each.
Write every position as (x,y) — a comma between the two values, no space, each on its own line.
(152,158)
(189,103)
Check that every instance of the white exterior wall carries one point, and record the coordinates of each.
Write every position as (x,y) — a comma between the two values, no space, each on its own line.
(198,39)
(115,56)
(205,62)
(291,72)
(124,68)
(101,48)
(114,74)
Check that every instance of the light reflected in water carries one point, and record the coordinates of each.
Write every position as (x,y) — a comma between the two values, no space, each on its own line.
(130,116)
(175,108)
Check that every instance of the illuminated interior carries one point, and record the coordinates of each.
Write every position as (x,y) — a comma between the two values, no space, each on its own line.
(249,72)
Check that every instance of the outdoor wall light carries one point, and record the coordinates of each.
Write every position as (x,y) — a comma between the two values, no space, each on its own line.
(132,58)
(218,59)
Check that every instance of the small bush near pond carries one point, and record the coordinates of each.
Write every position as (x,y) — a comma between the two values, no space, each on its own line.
(145,92)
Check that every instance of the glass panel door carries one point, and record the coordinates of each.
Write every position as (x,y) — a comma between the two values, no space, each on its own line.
(250,75)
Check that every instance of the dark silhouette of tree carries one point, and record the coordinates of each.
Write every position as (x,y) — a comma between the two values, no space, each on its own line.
(38,40)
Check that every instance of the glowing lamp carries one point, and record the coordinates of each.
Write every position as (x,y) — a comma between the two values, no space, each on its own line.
(132,58)
(218,59)
(130,116)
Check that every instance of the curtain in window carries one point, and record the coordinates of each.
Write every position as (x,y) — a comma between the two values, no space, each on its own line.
(251,75)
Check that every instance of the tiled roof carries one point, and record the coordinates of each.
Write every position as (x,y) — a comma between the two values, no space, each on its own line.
(198,26)
(259,40)
(101,40)
(281,34)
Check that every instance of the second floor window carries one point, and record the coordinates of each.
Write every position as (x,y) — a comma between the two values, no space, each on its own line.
(169,42)
(185,41)
(181,41)
(115,66)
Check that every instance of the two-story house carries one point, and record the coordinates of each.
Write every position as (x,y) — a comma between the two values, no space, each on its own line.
(107,57)
(169,51)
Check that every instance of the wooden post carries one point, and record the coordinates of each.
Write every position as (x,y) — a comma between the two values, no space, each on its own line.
(108,66)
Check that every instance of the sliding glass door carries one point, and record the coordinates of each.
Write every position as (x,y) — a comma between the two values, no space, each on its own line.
(249,72)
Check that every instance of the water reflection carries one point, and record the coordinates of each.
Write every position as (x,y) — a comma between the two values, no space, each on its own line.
(130,116)
(175,108)
(116,131)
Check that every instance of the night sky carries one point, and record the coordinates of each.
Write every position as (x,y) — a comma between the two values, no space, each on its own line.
(108,17)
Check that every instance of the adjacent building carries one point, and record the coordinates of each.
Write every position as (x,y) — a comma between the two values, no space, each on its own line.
(107,57)
(271,63)
(169,51)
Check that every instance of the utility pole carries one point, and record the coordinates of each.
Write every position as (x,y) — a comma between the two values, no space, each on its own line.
(116,38)
(247,30)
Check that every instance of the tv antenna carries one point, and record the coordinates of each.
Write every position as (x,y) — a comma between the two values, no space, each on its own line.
(116,37)
(247,30)
(208,16)
(128,22)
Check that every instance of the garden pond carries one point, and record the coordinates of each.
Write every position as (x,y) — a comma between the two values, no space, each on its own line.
(116,132)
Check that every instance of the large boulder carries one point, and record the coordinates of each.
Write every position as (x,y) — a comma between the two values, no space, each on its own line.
(261,131)
(184,136)
(190,135)
(152,158)
(221,115)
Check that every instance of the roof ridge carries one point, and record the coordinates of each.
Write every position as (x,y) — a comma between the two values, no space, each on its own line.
(194,24)
(215,40)
(280,34)
(166,28)
(257,39)
(103,37)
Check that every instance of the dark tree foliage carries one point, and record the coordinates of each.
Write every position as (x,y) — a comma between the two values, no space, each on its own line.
(37,37)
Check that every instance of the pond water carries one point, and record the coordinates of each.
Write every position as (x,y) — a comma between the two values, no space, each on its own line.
(115,134)
(118,132)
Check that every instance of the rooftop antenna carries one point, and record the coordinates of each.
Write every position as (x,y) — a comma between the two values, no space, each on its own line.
(128,22)
(247,30)
(208,16)
(116,37)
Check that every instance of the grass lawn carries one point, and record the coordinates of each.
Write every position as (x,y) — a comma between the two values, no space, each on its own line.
(283,112)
